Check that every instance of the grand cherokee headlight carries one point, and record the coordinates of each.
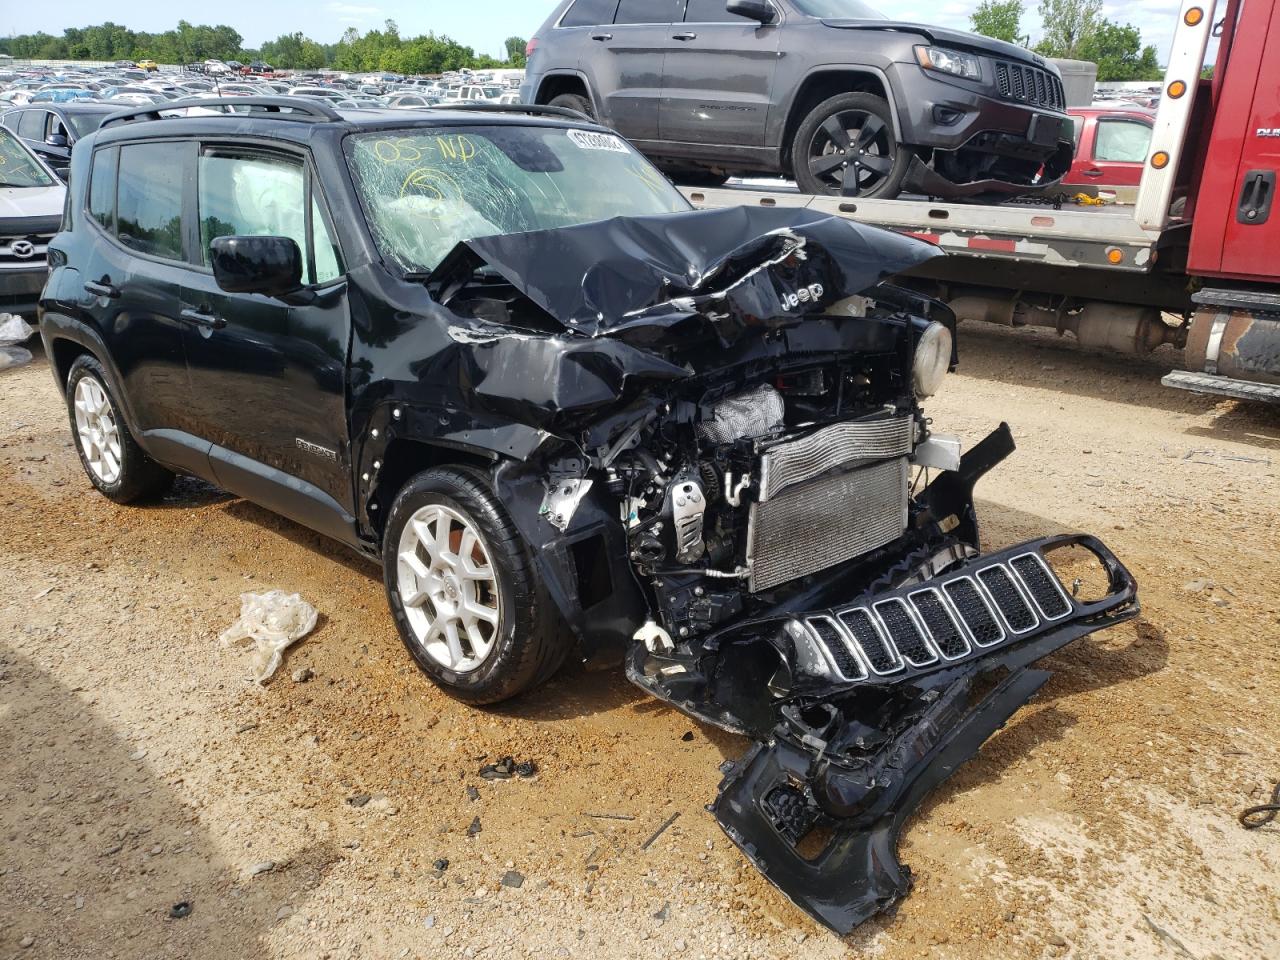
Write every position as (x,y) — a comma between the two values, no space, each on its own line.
(932,360)
(949,61)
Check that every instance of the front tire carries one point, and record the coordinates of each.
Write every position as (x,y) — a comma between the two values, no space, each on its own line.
(111,458)
(846,147)
(464,592)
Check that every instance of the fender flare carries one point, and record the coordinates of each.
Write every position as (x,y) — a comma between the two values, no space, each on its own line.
(877,72)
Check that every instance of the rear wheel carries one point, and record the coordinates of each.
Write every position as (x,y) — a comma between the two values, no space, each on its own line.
(111,458)
(573,101)
(464,592)
(846,147)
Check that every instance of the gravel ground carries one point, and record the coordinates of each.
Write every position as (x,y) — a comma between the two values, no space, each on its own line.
(139,770)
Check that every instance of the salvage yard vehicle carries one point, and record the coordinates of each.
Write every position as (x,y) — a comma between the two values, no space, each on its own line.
(31,202)
(830,92)
(52,130)
(1200,240)
(563,409)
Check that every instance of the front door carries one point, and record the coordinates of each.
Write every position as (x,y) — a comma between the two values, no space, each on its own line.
(267,376)
(625,61)
(718,77)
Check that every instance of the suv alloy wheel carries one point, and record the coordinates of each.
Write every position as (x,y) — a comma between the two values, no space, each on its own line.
(846,147)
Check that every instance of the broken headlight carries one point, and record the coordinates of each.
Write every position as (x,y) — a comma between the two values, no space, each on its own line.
(932,360)
(949,61)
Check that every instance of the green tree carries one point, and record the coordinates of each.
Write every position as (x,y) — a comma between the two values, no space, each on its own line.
(515,47)
(1119,53)
(1067,25)
(1000,19)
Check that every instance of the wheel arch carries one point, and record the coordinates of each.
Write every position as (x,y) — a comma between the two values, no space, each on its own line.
(403,459)
(821,84)
(565,81)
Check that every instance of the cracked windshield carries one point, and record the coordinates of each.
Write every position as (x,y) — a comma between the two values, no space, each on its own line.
(423,191)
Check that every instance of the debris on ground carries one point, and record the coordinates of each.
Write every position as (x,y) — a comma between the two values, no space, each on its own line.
(13,331)
(260,868)
(359,800)
(473,794)
(273,621)
(660,831)
(1251,818)
(180,911)
(303,675)
(506,767)
(474,828)
(513,879)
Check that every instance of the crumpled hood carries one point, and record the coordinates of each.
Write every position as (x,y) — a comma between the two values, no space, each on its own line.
(638,277)
(958,39)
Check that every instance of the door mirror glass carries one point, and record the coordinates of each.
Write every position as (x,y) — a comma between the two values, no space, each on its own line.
(758,10)
(271,266)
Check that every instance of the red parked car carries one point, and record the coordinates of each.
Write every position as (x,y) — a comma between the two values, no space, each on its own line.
(1111,146)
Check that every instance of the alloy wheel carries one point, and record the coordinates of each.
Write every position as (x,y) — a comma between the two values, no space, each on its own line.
(852,152)
(448,588)
(97,431)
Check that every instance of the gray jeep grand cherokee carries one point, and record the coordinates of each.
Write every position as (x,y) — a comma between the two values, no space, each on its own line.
(827,91)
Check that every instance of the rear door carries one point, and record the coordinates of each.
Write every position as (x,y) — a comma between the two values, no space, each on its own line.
(718,77)
(132,281)
(268,377)
(625,64)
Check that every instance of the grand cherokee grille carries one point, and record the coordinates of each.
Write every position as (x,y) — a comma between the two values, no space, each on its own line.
(1029,85)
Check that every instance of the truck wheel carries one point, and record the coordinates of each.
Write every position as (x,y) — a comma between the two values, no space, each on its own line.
(573,101)
(114,462)
(464,592)
(846,147)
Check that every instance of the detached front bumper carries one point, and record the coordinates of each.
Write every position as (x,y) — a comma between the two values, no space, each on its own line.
(876,702)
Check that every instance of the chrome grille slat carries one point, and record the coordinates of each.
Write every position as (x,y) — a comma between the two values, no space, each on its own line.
(826,521)
(841,444)
(1003,590)
(907,635)
(944,629)
(976,614)
(1041,585)
(842,655)
(867,634)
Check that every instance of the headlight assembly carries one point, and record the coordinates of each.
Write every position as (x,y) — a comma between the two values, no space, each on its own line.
(949,61)
(932,360)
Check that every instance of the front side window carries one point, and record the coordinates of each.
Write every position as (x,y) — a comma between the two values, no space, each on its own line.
(1122,141)
(102,187)
(31,124)
(18,168)
(839,9)
(648,11)
(261,196)
(589,13)
(149,198)
(712,11)
(425,189)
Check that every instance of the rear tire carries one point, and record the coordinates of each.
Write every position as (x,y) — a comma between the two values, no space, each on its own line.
(111,458)
(860,125)
(463,589)
(573,101)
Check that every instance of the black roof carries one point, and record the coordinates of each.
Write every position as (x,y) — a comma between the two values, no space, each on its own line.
(299,119)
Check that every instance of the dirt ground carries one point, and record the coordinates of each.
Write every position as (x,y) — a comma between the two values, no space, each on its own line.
(138,769)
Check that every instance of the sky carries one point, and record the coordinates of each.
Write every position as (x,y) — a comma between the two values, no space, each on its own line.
(325,20)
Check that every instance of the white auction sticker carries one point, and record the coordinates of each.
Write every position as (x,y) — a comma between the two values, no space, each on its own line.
(587,140)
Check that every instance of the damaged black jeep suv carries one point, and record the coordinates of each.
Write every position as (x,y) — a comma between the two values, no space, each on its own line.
(495,350)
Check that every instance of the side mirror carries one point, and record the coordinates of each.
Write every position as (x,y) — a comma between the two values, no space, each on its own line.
(56,140)
(759,10)
(271,266)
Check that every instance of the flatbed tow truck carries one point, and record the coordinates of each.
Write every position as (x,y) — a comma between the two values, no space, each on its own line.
(1201,241)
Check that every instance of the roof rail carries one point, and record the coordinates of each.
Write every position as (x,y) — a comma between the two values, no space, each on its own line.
(283,108)
(544,110)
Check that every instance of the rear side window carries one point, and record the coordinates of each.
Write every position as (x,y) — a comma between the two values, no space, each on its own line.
(589,13)
(712,11)
(10,120)
(649,11)
(149,198)
(102,187)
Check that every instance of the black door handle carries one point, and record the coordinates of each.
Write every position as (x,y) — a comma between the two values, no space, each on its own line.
(602,36)
(102,288)
(684,36)
(202,319)
(1255,197)
(1092,173)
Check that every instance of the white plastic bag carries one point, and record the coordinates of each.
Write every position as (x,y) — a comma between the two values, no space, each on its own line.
(273,621)
(13,330)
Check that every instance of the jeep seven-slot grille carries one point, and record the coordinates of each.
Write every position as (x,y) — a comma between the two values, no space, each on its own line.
(1029,85)
(943,621)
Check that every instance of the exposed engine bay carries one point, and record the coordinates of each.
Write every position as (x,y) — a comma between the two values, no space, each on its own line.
(716,451)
